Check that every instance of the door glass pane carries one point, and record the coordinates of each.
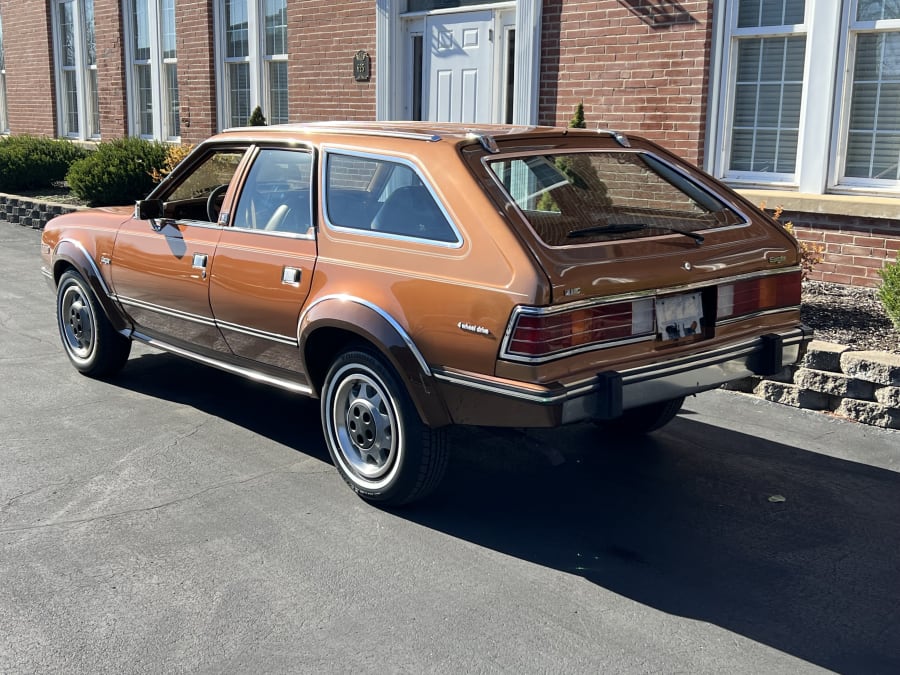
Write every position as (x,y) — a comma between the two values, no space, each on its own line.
(427,5)
(67,33)
(93,103)
(70,98)
(91,45)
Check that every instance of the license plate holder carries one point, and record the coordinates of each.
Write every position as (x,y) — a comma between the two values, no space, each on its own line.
(679,316)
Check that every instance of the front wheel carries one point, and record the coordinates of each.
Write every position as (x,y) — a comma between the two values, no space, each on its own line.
(377,441)
(91,343)
(646,418)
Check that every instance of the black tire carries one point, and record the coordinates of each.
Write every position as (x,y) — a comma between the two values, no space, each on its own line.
(375,436)
(643,420)
(91,343)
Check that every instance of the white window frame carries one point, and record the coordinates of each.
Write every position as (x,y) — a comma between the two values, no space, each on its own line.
(4,108)
(85,100)
(258,60)
(838,182)
(161,105)
(731,36)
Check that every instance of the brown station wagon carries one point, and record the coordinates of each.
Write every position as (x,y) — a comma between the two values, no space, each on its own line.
(413,276)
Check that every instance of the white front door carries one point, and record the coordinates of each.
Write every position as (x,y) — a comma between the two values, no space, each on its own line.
(458,67)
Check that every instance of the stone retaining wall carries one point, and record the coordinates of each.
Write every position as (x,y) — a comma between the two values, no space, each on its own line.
(861,386)
(29,212)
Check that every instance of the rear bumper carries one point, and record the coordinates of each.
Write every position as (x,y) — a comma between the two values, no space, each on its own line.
(479,400)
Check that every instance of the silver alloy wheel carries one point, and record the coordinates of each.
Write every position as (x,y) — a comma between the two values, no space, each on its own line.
(76,318)
(365,424)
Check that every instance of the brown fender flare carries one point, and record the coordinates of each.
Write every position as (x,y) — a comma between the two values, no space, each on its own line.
(71,254)
(355,318)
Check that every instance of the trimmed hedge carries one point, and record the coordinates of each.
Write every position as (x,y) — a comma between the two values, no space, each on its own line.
(118,172)
(33,162)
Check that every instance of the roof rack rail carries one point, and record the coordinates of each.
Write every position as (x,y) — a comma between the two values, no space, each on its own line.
(361,131)
(617,136)
(487,142)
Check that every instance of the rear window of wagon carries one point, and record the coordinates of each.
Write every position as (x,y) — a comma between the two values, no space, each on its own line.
(584,197)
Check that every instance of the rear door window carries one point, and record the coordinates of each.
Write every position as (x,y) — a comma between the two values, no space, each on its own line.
(383,197)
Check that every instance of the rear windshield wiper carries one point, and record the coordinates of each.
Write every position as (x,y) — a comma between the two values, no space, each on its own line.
(617,228)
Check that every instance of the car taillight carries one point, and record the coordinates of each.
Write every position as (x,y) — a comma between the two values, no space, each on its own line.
(759,294)
(535,335)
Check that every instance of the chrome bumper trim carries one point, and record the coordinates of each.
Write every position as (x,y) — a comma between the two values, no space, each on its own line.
(683,376)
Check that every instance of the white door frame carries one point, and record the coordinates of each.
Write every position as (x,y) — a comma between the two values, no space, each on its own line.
(390,78)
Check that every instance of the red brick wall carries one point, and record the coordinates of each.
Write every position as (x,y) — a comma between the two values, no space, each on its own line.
(30,85)
(110,69)
(633,76)
(194,34)
(322,39)
(853,249)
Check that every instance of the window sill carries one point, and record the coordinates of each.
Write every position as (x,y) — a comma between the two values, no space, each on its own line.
(863,206)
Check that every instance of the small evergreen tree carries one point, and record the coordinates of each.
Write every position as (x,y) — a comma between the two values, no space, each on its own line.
(257,119)
(577,121)
(889,293)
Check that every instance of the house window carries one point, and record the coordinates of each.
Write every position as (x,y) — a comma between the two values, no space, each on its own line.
(76,68)
(4,118)
(254,60)
(871,137)
(810,95)
(153,84)
(768,51)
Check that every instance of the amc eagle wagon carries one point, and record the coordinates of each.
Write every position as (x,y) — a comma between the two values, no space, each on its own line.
(412,276)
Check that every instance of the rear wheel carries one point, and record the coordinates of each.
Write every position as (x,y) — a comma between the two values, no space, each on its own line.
(91,343)
(646,418)
(376,439)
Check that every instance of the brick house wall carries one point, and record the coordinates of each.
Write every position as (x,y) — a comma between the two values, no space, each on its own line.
(322,39)
(30,83)
(109,37)
(195,50)
(637,69)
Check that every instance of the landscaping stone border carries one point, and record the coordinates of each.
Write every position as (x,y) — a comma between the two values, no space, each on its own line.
(861,386)
(31,213)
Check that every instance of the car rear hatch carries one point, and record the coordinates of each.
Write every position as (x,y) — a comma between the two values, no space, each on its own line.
(638,246)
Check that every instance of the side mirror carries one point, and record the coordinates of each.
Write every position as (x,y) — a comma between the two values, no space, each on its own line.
(146,209)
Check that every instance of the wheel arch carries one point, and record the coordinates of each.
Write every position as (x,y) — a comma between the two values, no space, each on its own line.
(71,255)
(333,324)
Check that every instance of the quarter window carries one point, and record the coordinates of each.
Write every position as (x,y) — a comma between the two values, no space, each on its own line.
(76,61)
(384,198)
(154,70)
(254,60)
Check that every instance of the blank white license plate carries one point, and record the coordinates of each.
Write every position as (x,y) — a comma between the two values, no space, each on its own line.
(679,316)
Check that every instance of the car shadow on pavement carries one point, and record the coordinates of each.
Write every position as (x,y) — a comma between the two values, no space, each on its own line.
(787,547)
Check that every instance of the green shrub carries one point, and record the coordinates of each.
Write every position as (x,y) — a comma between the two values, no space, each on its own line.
(118,172)
(889,293)
(33,162)
(257,119)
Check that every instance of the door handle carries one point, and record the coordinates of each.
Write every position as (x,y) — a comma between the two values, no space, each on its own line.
(199,263)
(291,276)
